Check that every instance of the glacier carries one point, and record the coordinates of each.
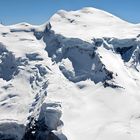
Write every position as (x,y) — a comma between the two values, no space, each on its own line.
(76,77)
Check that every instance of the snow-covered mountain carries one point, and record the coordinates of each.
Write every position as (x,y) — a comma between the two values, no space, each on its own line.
(76,77)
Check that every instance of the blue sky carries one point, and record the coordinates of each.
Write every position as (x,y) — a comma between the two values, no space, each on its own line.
(39,11)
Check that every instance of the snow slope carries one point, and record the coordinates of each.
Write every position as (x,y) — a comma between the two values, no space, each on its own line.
(76,77)
(90,22)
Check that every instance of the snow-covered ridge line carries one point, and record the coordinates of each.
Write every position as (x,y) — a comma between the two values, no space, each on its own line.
(91,22)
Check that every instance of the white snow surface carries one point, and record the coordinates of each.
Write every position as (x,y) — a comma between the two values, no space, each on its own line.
(87,60)
(89,22)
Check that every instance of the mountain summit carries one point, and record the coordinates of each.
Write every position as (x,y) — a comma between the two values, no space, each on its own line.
(89,22)
(76,77)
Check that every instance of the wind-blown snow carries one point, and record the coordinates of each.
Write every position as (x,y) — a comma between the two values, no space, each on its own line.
(75,77)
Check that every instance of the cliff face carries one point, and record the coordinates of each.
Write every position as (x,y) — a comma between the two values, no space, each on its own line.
(75,77)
